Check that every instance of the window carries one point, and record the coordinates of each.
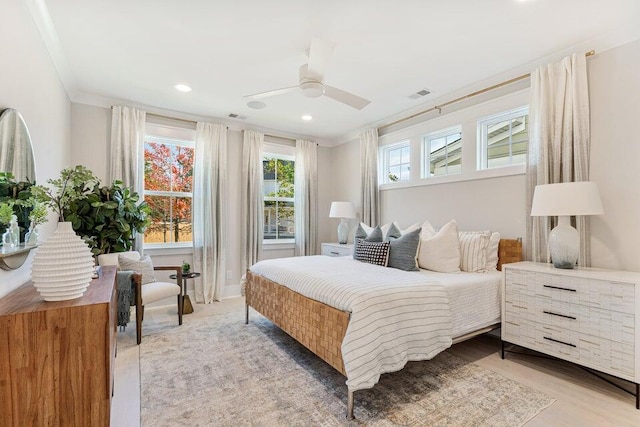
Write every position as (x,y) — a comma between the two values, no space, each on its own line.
(442,153)
(396,162)
(503,139)
(279,212)
(168,183)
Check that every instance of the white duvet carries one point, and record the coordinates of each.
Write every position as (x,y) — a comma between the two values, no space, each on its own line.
(396,316)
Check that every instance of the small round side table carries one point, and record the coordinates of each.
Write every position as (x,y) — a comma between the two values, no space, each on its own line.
(188,307)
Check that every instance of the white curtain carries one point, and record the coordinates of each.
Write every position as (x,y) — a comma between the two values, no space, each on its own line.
(369,177)
(306,197)
(127,151)
(252,209)
(209,210)
(559,144)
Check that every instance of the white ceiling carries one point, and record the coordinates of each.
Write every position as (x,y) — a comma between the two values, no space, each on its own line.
(385,51)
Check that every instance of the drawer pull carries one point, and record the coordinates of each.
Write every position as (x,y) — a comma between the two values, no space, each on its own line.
(559,288)
(335,253)
(559,315)
(559,342)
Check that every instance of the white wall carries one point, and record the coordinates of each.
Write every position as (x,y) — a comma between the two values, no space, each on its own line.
(90,140)
(29,83)
(614,85)
(499,203)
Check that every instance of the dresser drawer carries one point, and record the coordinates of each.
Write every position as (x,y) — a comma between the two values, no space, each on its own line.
(598,353)
(606,295)
(331,249)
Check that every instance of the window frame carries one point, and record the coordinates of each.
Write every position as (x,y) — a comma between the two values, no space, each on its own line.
(277,154)
(425,172)
(482,140)
(174,142)
(384,153)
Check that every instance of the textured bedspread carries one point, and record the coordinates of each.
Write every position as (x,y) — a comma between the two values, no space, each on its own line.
(396,316)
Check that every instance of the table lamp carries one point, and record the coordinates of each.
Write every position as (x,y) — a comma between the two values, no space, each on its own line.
(342,210)
(564,200)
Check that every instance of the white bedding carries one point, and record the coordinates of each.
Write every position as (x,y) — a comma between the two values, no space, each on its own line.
(396,316)
(474,299)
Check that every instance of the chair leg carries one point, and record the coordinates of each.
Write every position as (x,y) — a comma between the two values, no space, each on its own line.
(139,315)
(180,308)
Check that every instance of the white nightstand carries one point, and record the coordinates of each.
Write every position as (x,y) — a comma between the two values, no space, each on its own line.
(337,249)
(587,316)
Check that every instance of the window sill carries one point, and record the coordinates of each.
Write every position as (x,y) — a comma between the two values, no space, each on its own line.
(475,175)
(270,245)
(169,249)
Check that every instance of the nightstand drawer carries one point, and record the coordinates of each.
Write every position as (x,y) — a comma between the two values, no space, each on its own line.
(606,295)
(336,249)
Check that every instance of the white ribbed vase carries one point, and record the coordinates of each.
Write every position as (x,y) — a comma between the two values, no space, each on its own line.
(62,266)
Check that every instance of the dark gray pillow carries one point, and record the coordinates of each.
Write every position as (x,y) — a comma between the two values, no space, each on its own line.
(403,250)
(372,252)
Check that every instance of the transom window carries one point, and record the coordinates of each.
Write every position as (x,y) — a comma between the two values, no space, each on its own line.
(396,162)
(278,193)
(442,153)
(168,187)
(503,139)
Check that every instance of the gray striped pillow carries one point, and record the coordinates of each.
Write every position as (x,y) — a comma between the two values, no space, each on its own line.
(473,250)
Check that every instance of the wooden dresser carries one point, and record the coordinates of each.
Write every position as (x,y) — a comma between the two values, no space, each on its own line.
(587,316)
(57,358)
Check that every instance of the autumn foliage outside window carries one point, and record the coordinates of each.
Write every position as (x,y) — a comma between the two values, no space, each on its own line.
(168,186)
(279,212)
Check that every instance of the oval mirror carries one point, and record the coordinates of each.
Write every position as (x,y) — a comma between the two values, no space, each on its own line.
(16,152)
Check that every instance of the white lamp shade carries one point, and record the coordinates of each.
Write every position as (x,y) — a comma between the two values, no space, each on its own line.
(567,199)
(342,210)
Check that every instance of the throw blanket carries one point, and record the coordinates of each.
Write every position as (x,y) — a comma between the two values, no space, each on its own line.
(396,316)
(125,297)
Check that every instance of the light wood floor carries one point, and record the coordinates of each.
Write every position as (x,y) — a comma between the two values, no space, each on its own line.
(582,399)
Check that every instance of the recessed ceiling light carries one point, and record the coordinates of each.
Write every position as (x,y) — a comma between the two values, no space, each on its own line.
(306,117)
(256,105)
(182,87)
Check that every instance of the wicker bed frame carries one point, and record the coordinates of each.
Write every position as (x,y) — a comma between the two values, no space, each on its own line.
(321,328)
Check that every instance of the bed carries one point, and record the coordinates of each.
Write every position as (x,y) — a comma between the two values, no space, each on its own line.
(322,328)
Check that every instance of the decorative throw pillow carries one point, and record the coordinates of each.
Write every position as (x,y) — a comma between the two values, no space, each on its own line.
(372,252)
(473,250)
(368,230)
(492,252)
(403,251)
(374,235)
(408,229)
(143,266)
(427,230)
(441,252)
(393,233)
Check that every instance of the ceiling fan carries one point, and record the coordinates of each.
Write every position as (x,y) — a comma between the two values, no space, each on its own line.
(312,78)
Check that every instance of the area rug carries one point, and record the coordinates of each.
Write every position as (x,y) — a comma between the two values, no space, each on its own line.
(217,371)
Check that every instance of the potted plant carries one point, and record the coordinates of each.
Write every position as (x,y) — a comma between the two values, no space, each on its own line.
(18,194)
(109,218)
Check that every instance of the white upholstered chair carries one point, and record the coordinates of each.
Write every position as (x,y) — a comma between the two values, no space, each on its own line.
(149,292)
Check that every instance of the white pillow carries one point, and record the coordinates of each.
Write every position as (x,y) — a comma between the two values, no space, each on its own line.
(384,228)
(473,250)
(408,229)
(492,252)
(441,251)
(427,230)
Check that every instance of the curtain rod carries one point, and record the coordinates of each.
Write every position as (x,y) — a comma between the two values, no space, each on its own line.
(194,122)
(439,108)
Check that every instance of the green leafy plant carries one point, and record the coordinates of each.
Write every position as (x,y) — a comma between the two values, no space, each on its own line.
(108,218)
(38,214)
(74,184)
(6,211)
(18,195)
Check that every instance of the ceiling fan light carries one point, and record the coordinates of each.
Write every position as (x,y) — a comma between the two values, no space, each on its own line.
(312,89)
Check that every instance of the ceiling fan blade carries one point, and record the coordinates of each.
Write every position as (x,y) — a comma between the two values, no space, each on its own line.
(319,54)
(271,93)
(345,97)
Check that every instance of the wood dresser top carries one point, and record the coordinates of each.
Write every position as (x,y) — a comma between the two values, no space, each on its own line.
(26,298)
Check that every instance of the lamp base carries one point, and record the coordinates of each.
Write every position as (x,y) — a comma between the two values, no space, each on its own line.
(564,244)
(343,231)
